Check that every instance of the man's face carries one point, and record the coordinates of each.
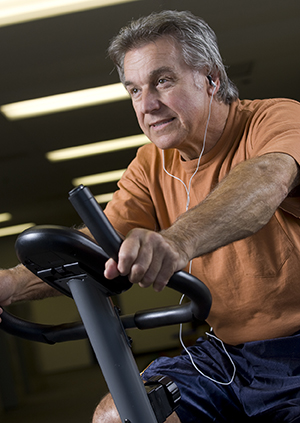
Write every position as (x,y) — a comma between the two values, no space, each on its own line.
(170,100)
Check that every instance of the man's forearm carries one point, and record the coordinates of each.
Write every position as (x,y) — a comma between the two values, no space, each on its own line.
(239,206)
(23,285)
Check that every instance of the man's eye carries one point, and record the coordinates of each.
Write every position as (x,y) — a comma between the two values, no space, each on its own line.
(161,81)
(134,91)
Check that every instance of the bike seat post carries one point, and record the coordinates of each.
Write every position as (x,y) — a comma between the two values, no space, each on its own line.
(112,351)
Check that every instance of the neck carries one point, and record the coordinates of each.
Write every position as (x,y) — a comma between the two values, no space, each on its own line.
(217,124)
(214,131)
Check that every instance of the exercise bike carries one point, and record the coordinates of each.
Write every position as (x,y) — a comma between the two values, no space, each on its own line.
(73,264)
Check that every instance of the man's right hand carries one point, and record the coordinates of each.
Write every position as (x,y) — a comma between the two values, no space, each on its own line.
(147,258)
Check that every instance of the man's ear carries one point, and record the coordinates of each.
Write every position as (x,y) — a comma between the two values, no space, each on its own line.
(211,82)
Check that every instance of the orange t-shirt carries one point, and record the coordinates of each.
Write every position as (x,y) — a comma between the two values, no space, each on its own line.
(255,282)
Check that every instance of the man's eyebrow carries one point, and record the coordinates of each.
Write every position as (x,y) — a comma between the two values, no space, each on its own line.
(127,83)
(159,71)
(153,74)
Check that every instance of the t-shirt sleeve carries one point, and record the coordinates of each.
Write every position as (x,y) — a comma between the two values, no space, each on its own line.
(277,129)
(131,206)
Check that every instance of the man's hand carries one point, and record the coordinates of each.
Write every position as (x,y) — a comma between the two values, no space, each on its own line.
(147,258)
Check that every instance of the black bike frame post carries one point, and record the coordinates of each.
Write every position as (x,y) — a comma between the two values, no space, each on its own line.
(113,352)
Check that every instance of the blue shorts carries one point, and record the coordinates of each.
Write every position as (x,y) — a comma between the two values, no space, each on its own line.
(266,387)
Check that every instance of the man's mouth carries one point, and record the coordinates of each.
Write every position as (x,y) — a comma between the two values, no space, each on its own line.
(161,122)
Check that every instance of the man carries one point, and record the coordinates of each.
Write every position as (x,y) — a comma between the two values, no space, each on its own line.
(217,190)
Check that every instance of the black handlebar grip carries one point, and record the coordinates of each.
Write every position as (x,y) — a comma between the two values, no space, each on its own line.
(94,218)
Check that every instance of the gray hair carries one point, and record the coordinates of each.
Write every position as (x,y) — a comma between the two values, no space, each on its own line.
(197,40)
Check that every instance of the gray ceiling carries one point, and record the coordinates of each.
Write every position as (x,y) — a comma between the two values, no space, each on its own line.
(259,41)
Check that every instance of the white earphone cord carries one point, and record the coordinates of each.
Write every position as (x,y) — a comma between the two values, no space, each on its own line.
(192,360)
(188,190)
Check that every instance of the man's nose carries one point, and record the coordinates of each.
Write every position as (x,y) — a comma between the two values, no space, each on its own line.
(150,101)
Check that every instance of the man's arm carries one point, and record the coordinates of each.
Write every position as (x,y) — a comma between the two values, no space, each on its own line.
(18,284)
(238,207)
(241,205)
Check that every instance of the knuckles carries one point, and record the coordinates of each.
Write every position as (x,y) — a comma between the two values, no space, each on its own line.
(148,257)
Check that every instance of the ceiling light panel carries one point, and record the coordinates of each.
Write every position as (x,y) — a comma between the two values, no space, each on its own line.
(95,148)
(99,178)
(66,101)
(4,217)
(16,11)
(104,198)
(14,230)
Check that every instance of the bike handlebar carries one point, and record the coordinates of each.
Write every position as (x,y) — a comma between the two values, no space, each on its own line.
(57,254)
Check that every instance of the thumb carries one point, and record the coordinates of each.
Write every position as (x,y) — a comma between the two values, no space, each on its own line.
(111,269)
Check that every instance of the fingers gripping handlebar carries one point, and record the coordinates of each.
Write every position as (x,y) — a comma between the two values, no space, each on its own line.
(57,254)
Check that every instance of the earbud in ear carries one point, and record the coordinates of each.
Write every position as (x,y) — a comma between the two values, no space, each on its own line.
(211,81)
